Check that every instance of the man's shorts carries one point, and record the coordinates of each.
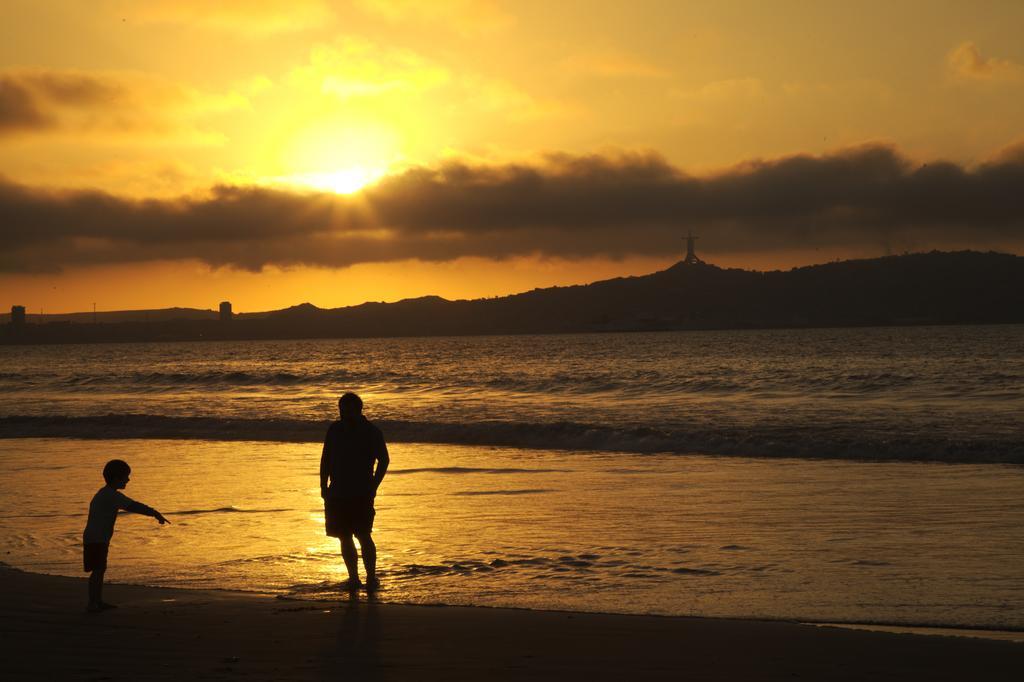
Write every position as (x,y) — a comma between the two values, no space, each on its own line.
(347,516)
(94,556)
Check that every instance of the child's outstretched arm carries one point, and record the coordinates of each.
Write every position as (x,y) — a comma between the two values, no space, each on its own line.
(146,510)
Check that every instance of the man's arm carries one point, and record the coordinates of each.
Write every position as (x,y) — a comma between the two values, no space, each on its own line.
(383,459)
(324,470)
(146,510)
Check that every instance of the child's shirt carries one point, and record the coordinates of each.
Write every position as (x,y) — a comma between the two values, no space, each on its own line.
(103,513)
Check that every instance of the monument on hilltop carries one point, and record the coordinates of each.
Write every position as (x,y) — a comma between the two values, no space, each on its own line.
(691,255)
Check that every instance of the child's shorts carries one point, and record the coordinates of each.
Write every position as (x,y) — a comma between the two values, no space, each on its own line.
(94,556)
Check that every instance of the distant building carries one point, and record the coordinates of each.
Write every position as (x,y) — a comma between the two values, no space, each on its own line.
(225,311)
(18,314)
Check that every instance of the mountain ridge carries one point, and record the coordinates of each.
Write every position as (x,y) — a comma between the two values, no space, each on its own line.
(961,287)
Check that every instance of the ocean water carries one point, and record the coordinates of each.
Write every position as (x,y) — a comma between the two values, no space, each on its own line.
(835,541)
(926,393)
(872,476)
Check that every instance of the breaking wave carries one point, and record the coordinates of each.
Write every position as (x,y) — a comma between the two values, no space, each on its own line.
(816,441)
(225,510)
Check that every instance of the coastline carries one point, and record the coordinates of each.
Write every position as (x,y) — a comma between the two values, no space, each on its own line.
(170,633)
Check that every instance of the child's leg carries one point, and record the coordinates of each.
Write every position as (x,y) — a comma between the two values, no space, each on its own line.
(94,561)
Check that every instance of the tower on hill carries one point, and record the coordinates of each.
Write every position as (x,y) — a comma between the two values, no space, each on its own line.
(691,255)
(18,315)
(225,311)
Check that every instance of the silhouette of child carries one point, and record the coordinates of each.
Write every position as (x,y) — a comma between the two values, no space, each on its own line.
(100,527)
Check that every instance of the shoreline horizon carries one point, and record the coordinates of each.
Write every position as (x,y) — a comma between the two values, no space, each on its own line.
(168,633)
(927,324)
(1009,634)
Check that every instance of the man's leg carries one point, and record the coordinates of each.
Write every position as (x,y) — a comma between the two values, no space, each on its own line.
(369,557)
(96,588)
(351,557)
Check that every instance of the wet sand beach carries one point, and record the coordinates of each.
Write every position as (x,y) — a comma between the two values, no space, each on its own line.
(160,633)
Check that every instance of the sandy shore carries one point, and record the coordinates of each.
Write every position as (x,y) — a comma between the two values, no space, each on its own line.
(161,634)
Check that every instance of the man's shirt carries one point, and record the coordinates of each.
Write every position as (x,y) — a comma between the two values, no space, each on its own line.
(350,451)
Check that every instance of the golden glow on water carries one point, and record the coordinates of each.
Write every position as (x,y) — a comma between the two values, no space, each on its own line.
(838,541)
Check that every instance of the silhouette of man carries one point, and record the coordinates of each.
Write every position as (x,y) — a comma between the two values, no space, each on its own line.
(348,484)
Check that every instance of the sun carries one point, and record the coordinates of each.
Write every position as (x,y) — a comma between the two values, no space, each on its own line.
(339,158)
(343,181)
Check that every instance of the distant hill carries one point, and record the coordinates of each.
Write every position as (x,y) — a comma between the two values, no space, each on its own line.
(109,316)
(964,287)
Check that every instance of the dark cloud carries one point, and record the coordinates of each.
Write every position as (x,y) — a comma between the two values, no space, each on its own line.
(568,206)
(18,109)
(34,100)
(73,89)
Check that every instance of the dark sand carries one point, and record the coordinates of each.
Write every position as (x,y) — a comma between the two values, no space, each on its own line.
(159,634)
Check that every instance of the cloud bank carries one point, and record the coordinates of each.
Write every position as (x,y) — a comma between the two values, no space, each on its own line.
(869,197)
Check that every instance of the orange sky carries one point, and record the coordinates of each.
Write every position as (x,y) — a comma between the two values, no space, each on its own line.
(389,132)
